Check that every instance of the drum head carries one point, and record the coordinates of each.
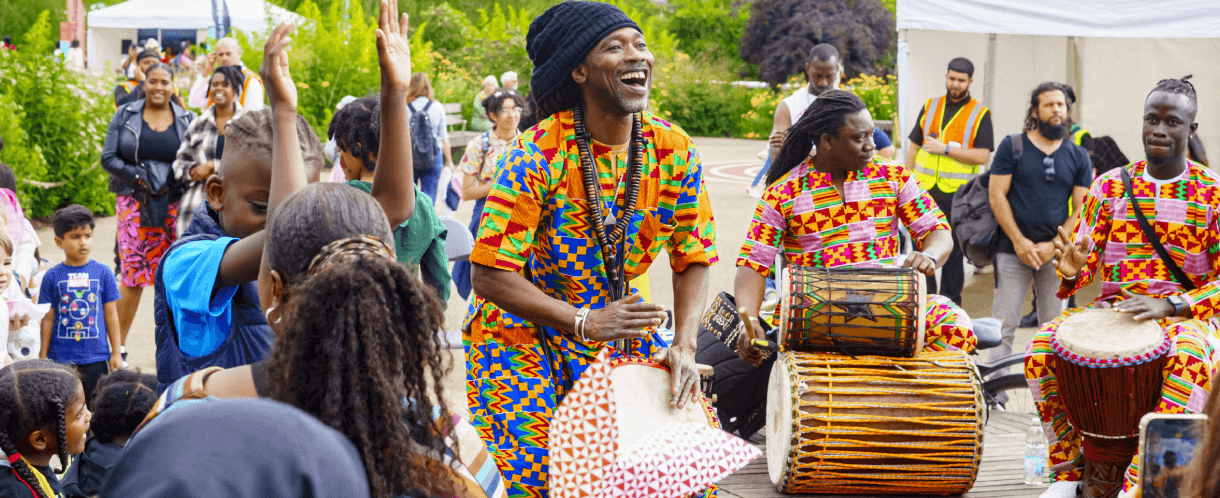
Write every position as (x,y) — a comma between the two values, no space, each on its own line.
(1105,334)
(641,392)
(779,419)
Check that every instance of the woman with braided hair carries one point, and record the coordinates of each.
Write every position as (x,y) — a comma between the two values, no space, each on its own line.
(844,179)
(42,414)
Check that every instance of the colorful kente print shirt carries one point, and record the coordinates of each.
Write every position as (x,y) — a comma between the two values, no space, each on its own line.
(1182,210)
(537,217)
(803,216)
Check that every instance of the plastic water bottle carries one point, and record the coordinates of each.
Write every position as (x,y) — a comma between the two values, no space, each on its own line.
(1035,453)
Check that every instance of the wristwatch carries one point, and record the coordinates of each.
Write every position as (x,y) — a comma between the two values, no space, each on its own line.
(1178,304)
(947,147)
(931,255)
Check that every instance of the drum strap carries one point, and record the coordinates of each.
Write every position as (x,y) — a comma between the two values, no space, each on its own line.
(1153,239)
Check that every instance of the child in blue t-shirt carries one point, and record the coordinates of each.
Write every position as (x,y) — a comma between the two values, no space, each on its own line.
(82,327)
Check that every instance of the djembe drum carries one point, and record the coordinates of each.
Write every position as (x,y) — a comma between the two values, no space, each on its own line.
(1110,375)
(874,425)
(876,311)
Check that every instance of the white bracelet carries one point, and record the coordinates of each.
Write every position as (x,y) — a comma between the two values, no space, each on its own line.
(582,316)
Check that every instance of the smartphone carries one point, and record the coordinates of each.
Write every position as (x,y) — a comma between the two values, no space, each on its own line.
(1167,446)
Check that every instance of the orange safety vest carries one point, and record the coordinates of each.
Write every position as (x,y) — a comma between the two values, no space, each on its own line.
(250,76)
(944,172)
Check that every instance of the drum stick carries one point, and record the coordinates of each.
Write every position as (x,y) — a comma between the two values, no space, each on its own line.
(760,343)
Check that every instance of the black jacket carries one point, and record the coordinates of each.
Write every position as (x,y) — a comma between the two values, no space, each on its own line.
(121,150)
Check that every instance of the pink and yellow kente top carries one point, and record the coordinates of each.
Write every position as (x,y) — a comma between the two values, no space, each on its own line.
(805,217)
(1182,210)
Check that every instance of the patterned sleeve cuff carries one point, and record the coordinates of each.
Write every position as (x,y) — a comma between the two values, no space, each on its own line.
(764,270)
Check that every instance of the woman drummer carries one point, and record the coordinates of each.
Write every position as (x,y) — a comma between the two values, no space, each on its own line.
(840,208)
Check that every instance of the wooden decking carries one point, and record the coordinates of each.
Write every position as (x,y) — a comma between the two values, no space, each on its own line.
(1001,473)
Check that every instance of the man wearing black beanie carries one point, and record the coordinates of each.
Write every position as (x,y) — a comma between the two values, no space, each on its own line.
(951,138)
(583,202)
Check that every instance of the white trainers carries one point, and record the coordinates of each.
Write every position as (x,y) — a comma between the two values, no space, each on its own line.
(1062,489)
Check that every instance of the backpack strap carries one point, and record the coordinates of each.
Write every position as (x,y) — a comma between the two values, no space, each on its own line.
(412,108)
(1018,146)
(1176,271)
(426,106)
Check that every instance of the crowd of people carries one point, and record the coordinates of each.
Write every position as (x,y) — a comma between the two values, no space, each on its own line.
(304,314)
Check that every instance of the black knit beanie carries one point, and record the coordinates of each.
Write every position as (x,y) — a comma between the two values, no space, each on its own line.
(561,37)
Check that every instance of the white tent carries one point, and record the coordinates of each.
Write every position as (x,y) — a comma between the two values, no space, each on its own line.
(108,27)
(1111,51)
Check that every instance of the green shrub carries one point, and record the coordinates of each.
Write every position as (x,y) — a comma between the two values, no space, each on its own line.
(53,121)
(880,94)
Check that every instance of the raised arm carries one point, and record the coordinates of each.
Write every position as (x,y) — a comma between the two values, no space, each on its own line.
(393,180)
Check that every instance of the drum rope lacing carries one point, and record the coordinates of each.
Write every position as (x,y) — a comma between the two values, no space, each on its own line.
(958,427)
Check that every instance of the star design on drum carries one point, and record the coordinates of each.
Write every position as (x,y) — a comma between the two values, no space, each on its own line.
(856,305)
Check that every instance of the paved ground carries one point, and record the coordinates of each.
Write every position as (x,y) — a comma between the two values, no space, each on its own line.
(730,165)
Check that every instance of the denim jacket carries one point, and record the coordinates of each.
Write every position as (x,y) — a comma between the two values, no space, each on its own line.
(123,143)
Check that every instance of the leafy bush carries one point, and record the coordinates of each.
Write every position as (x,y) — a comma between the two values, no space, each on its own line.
(53,121)
(880,94)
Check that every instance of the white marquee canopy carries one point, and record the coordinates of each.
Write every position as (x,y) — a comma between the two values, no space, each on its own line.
(1111,51)
(109,26)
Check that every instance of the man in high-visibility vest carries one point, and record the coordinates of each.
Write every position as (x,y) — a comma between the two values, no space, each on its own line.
(132,90)
(228,53)
(952,137)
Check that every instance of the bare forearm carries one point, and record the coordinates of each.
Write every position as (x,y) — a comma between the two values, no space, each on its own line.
(971,156)
(287,164)
(911,150)
(512,292)
(112,326)
(1003,215)
(939,242)
(748,289)
(241,261)
(448,153)
(471,192)
(690,298)
(394,180)
(48,321)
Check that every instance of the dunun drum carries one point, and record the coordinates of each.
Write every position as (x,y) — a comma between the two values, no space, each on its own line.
(878,311)
(874,425)
(1110,374)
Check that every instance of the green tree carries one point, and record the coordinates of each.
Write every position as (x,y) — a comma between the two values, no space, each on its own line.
(54,122)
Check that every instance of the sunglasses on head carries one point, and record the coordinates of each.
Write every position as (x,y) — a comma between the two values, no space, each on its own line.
(1049,162)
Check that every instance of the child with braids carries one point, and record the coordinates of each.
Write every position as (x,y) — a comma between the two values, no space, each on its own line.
(419,241)
(42,414)
(121,401)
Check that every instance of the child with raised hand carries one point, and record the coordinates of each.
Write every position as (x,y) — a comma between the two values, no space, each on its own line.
(42,414)
(206,304)
(122,400)
(82,327)
(419,242)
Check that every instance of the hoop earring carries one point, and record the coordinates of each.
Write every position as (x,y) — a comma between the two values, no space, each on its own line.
(267,315)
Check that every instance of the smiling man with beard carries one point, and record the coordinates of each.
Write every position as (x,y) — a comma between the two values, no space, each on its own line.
(583,202)
(1035,178)
(1182,199)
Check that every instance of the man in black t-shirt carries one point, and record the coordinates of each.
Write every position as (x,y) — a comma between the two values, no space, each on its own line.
(1030,197)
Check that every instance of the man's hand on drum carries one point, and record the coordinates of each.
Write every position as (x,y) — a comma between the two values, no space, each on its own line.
(626,318)
(1144,307)
(921,263)
(684,373)
(1070,257)
(746,350)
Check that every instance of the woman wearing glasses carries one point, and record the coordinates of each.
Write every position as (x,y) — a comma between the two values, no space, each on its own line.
(1039,180)
(478,165)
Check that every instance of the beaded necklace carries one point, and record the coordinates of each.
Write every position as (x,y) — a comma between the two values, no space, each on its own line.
(610,240)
